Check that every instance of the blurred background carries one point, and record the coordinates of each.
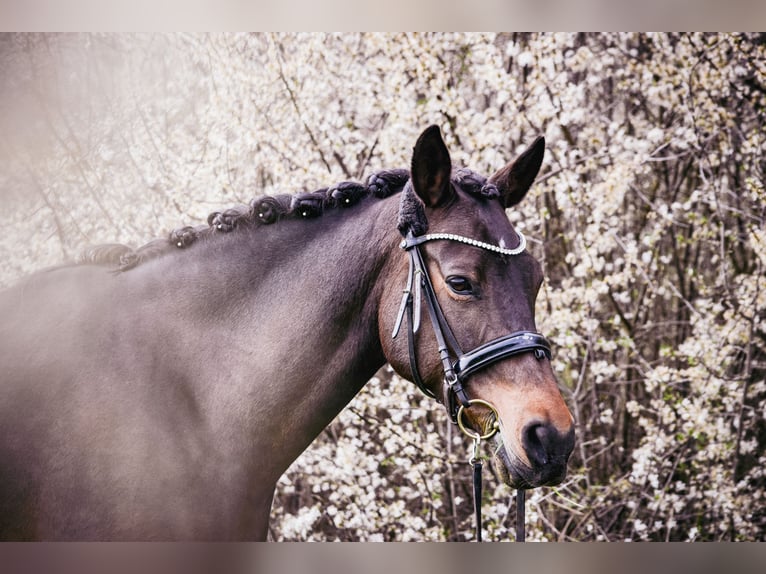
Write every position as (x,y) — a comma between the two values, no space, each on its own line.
(648,218)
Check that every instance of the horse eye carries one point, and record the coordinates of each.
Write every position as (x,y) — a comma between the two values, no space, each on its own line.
(460,285)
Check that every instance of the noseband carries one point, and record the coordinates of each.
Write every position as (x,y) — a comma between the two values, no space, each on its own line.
(457,365)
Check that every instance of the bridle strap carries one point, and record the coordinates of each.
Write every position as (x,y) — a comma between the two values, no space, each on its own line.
(501,348)
(520,499)
(445,340)
(419,281)
(413,355)
(477,487)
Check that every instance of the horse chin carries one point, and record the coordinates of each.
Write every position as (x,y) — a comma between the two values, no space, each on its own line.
(502,471)
(507,471)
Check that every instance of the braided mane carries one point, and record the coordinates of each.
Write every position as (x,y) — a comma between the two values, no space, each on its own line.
(266,210)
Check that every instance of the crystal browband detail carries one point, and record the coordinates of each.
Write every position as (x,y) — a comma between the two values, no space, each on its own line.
(468,241)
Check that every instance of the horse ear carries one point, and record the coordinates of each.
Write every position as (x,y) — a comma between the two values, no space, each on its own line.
(514,180)
(431,168)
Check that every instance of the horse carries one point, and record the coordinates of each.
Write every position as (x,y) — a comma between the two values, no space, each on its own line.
(159,393)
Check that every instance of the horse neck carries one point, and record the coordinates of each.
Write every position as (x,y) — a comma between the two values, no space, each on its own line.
(292,309)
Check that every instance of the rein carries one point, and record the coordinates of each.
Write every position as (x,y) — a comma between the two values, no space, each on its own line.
(456,364)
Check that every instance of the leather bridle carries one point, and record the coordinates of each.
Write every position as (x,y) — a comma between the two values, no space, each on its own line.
(458,366)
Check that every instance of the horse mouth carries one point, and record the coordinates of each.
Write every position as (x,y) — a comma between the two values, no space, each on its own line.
(516,474)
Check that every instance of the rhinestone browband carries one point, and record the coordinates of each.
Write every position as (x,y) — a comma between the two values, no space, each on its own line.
(468,241)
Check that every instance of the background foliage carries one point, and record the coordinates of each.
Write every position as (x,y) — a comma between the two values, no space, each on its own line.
(648,218)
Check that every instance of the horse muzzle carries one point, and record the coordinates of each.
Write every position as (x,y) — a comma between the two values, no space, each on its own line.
(546,452)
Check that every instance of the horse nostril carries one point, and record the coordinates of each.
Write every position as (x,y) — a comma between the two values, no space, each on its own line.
(545,445)
(536,439)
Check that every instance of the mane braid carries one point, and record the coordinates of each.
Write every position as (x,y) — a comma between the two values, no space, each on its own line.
(267,210)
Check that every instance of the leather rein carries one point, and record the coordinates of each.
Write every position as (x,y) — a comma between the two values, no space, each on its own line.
(457,365)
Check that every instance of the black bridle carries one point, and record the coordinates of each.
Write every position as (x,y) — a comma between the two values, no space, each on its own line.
(458,366)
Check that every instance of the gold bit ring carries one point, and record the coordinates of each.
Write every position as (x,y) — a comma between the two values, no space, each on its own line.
(472,433)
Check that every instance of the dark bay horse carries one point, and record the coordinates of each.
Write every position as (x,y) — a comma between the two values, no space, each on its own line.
(160,393)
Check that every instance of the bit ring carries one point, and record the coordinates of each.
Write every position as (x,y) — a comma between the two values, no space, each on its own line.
(472,433)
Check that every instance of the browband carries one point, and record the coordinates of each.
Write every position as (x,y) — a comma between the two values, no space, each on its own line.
(412,241)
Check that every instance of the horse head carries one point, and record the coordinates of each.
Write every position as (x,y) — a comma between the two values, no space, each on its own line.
(469,272)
